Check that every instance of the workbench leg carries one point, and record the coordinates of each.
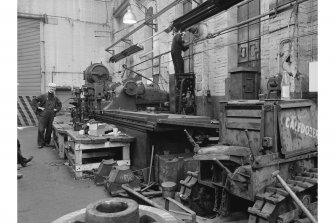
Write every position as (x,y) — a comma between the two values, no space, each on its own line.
(125,152)
(79,174)
(61,146)
(78,159)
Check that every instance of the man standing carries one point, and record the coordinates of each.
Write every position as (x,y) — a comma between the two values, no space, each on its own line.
(176,48)
(46,106)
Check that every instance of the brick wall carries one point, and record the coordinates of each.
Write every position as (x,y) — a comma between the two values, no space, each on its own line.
(302,30)
(213,58)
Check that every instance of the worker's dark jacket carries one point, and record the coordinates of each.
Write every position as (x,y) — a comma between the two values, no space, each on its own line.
(178,44)
(176,48)
(47,101)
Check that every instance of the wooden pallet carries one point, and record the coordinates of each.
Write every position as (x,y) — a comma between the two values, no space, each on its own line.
(81,147)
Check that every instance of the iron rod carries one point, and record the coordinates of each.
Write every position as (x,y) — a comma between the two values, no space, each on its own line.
(126,188)
(151,161)
(294,196)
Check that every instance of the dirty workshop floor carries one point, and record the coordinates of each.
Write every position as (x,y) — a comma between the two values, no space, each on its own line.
(48,189)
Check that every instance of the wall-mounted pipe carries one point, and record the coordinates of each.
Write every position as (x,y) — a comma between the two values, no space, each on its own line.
(32,16)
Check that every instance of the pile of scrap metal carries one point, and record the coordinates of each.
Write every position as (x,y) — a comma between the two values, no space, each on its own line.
(120,181)
(265,164)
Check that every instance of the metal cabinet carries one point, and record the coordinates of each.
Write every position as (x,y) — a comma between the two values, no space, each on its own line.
(244,83)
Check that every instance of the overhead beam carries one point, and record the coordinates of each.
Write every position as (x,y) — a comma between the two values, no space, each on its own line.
(148,20)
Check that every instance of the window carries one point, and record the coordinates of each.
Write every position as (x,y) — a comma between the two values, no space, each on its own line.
(249,35)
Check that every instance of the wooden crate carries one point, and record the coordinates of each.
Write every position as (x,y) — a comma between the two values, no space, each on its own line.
(82,147)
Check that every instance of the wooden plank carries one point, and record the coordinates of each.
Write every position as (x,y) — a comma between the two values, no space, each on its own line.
(126,152)
(97,154)
(70,158)
(100,146)
(244,113)
(89,139)
(245,123)
(78,155)
(60,139)
(92,166)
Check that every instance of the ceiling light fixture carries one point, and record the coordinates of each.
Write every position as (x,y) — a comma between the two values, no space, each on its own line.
(129,17)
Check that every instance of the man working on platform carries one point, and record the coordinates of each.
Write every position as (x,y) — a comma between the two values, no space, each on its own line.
(46,106)
(176,48)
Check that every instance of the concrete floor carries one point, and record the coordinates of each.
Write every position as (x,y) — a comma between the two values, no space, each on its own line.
(48,189)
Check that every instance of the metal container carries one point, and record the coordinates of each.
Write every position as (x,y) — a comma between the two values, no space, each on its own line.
(244,83)
(168,189)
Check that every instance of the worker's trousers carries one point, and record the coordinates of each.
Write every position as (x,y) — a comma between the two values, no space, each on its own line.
(45,121)
(20,158)
(178,62)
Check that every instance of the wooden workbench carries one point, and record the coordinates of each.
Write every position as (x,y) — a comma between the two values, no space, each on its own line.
(80,149)
(60,126)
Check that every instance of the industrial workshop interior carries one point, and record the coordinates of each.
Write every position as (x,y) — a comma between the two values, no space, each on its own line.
(170,111)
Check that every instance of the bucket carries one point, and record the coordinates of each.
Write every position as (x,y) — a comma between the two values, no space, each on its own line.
(168,189)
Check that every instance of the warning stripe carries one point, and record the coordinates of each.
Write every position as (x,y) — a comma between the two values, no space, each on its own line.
(27,106)
(21,115)
(19,120)
(31,109)
(25,114)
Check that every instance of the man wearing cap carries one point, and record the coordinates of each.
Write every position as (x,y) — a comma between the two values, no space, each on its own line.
(46,106)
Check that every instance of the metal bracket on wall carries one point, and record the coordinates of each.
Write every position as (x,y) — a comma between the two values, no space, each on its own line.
(130,42)
(154,26)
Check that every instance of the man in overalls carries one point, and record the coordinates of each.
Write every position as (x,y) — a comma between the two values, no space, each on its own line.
(176,48)
(46,106)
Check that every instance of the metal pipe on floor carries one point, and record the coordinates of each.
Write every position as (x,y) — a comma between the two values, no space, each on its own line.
(294,196)
(126,188)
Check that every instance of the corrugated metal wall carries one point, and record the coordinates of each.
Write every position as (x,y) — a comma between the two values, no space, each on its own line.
(28,57)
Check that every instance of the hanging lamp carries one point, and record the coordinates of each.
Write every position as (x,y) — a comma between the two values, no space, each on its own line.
(129,17)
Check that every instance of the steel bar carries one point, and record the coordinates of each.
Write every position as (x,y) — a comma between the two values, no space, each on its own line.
(151,161)
(191,213)
(125,67)
(148,186)
(294,196)
(223,167)
(131,191)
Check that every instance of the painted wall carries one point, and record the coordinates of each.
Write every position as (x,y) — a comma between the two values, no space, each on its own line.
(75,34)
